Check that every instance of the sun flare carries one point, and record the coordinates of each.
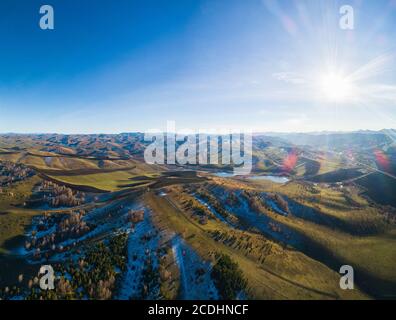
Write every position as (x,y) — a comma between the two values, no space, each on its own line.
(336,88)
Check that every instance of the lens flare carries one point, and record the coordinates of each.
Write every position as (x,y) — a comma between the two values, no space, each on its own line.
(290,161)
(336,88)
(382,160)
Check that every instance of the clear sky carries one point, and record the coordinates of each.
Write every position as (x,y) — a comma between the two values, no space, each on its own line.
(122,66)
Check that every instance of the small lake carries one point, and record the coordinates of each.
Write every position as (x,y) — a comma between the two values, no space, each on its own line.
(276,179)
(224,174)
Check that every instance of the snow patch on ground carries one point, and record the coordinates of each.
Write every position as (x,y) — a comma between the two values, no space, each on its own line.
(270,202)
(260,221)
(138,251)
(213,211)
(195,280)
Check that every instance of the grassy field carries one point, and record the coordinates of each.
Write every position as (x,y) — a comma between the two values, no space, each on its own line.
(379,187)
(13,218)
(110,181)
(120,179)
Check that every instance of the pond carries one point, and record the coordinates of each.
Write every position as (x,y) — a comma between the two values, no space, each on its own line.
(276,179)
(224,174)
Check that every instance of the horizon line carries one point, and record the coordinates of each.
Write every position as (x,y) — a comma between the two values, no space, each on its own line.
(191,133)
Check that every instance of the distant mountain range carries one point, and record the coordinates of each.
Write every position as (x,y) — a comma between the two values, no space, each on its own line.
(126,144)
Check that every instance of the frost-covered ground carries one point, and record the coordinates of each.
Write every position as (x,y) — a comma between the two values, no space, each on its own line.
(214,212)
(195,280)
(259,221)
(142,245)
(106,220)
(270,202)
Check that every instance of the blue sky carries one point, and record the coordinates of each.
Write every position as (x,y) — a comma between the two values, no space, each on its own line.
(122,66)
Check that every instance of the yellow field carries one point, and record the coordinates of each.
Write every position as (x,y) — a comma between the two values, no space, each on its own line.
(110,181)
(14,220)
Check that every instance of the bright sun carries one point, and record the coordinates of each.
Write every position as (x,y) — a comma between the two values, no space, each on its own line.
(336,88)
